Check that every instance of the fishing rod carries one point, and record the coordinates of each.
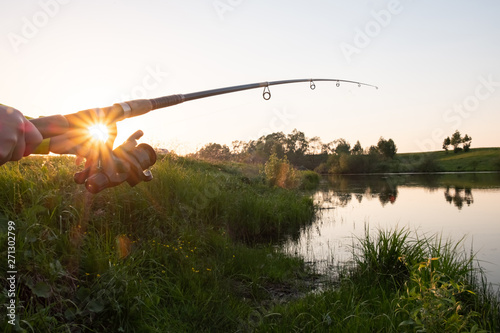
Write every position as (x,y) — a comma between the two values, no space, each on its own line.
(129,161)
(56,125)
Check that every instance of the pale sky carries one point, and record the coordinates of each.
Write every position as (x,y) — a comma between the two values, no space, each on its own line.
(436,64)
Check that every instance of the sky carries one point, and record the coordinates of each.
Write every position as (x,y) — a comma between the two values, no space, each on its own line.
(436,64)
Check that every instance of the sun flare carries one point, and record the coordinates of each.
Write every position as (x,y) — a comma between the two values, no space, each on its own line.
(99,132)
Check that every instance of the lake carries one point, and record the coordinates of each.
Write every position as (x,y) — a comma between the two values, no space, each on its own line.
(451,205)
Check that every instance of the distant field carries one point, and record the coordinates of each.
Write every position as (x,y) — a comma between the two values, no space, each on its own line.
(477,159)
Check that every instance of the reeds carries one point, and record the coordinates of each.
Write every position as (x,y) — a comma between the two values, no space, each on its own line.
(400,282)
(167,256)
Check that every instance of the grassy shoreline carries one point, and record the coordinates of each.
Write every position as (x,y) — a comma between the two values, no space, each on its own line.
(195,250)
(474,160)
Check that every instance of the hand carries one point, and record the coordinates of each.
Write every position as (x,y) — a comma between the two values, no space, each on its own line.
(127,162)
(18,137)
(79,142)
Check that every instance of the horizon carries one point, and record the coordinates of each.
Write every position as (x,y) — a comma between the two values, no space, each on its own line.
(365,147)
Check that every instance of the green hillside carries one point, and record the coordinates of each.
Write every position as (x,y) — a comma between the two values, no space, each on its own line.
(477,159)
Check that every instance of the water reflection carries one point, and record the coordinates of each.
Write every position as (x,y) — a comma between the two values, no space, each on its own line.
(459,196)
(351,203)
(338,191)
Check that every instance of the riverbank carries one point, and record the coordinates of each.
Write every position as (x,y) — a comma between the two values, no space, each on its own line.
(197,250)
(476,159)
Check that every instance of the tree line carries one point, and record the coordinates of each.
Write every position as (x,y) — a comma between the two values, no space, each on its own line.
(336,156)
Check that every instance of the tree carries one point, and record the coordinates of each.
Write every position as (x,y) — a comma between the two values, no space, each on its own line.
(214,151)
(274,143)
(343,147)
(296,146)
(456,140)
(315,146)
(466,141)
(328,148)
(357,149)
(446,143)
(373,150)
(387,148)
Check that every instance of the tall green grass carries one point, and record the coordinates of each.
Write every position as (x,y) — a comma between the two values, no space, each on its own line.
(171,255)
(399,282)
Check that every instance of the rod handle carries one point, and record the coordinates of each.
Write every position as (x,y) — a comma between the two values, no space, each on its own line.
(51,126)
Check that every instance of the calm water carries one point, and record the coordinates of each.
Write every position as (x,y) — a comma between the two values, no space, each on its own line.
(453,205)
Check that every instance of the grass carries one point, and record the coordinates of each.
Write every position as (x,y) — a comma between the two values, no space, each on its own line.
(197,250)
(171,255)
(476,159)
(399,283)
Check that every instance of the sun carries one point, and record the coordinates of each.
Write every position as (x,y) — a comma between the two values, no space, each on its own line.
(99,132)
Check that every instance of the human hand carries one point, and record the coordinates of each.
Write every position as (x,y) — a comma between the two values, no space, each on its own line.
(81,143)
(128,162)
(18,137)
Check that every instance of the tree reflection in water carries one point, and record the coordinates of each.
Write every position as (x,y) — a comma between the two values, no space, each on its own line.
(342,189)
(339,190)
(459,196)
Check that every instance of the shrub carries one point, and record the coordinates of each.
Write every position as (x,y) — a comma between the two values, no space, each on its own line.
(279,172)
(428,164)
(309,180)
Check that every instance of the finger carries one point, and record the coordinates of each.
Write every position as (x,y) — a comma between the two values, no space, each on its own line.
(79,159)
(11,134)
(131,142)
(32,137)
(136,136)
(17,151)
(8,143)
(72,142)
